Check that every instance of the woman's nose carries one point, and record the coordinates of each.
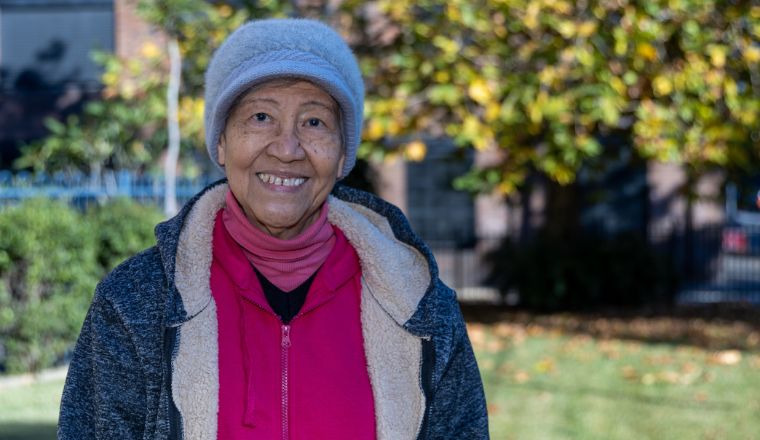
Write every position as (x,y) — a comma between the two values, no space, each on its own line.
(287,146)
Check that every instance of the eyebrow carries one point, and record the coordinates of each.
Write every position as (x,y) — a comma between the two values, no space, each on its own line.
(252,99)
(320,104)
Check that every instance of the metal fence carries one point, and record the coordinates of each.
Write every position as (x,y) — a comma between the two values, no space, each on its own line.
(82,190)
(719,263)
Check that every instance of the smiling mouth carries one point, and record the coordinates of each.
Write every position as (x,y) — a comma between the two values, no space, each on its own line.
(280,181)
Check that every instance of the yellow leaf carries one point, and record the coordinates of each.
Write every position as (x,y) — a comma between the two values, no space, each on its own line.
(752,54)
(717,56)
(563,7)
(587,28)
(547,75)
(647,51)
(150,50)
(109,78)
(566,28)
(506,188)
(375,130)
(453,13)
(618,85)
(415,151)
(662,86)
(492,112)
(479,91)
(224,11)
(531,15)
(442,76)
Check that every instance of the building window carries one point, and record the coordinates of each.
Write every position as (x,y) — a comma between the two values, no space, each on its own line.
(47,45)
(441,215)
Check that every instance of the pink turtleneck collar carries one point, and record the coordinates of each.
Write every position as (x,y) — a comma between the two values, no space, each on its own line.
(286,263)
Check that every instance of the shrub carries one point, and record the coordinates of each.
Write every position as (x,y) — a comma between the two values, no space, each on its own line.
(48,272)
(581,273)
(122,228)
(51,258)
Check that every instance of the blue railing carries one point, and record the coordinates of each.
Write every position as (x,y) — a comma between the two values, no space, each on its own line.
(82,190)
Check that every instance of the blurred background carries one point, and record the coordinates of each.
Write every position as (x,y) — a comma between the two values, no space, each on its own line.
(587,174)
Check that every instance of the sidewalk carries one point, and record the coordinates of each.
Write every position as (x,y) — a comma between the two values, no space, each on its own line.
(16,380)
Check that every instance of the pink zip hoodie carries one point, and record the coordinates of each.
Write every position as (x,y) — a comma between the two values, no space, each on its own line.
(305,380)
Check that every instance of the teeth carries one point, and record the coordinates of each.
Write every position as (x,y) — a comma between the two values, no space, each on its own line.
(274,180)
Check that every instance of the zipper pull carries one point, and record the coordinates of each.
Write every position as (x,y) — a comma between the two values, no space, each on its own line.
(286,336)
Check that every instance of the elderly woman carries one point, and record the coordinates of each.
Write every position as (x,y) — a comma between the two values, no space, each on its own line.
(276,305)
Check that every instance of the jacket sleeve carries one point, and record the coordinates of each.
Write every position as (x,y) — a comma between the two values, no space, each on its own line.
(458,407)
(104,395)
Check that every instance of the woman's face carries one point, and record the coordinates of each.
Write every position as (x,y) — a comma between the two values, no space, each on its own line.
(281,150)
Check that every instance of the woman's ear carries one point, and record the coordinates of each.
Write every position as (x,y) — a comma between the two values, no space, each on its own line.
(221,148)
(341,162)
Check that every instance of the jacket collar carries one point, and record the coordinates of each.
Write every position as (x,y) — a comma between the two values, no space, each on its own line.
(398,268)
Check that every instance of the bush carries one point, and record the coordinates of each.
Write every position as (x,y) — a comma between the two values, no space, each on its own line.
(122,228)
(51,258)
(48,272)
(581,273)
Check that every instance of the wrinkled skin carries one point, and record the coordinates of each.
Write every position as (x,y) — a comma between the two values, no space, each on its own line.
(282,153)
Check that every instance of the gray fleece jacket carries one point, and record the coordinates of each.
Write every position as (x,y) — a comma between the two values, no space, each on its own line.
(146,362)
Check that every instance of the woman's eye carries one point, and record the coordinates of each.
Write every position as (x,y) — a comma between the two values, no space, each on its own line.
(314,122)
(261,117)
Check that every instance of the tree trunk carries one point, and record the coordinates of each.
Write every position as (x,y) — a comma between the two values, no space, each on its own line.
(172,152)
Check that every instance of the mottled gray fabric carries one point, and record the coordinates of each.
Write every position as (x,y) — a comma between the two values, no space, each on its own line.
(118,387)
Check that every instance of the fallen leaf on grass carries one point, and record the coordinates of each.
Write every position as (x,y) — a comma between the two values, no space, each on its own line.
(630,373)
(494,346)
(505,330)
(755,362)
(726,357)
(477,335)
(610,349)
(659,359)
(493,409)
(487,364)
(700,396)
(535,330)
(690,372)
(545,365)
(521,377)
(709,377)
(506,368)
(668,376)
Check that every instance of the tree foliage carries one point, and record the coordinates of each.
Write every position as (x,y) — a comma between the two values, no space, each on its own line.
(537,83)
(541,81)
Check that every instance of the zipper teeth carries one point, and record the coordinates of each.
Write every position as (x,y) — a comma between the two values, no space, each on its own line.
(285,345)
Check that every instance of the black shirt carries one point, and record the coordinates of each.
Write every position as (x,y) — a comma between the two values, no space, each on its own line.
(285,304)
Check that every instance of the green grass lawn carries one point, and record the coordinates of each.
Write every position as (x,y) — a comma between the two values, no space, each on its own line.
(544,383)
(30,412)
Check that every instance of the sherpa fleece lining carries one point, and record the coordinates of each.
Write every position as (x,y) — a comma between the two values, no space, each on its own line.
(395,277)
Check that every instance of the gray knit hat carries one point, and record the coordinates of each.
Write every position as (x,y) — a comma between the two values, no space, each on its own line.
(262,50)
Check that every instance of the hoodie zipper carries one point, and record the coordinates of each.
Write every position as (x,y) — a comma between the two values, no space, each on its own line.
(284,353)
(285,344)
